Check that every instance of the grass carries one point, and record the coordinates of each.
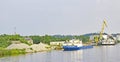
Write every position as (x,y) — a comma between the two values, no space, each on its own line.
(5,52)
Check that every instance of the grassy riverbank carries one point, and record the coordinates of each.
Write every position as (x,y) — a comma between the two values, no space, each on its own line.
(5,52)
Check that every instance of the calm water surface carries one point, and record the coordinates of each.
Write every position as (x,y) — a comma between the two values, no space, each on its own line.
(96,54)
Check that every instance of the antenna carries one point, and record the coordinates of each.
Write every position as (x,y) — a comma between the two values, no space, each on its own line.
(15,30)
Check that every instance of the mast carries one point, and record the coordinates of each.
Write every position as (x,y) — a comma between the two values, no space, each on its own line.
(14,30)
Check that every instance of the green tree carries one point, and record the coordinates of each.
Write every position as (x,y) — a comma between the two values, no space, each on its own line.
(36,39)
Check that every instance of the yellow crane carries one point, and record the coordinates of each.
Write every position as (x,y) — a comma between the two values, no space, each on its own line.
(102,29)
(97,39)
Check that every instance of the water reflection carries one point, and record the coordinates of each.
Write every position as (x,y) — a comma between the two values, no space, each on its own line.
(102,54)
(65,56)
(73,56)
(10,59)
(111,53)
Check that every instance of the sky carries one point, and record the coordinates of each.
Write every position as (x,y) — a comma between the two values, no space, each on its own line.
(53,17)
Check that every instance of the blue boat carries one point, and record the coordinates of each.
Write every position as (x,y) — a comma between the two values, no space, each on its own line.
(87,47)
(72,45)
(71,48)
(75,45)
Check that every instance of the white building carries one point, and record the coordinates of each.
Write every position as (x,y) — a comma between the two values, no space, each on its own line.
(57,43)
(118,37)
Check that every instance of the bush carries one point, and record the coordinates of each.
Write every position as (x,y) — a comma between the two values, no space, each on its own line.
(4,52)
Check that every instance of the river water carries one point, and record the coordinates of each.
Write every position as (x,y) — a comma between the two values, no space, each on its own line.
(96,54)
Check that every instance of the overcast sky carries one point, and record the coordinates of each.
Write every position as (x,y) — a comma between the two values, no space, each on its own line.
(66,17)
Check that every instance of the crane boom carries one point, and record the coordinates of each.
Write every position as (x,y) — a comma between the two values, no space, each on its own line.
(98,39)
(103,27)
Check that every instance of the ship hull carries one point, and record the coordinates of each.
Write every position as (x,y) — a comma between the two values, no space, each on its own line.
(72,48)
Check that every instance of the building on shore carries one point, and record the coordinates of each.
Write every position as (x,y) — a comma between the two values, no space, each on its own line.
(57,43)
(29,40)
(118,37)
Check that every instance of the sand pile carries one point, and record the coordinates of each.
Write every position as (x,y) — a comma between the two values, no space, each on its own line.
(33,48)
(39,47)
(18,46)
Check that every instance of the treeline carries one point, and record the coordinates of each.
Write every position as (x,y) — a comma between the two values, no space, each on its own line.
(5,40)
(47,38)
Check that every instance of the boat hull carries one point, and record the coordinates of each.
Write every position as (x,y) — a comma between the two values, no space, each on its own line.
(87,47)
(72,48)
(108,43)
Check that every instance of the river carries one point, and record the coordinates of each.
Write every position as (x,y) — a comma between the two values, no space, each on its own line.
(96,54)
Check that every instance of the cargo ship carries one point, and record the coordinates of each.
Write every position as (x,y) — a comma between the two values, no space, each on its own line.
(75,45)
